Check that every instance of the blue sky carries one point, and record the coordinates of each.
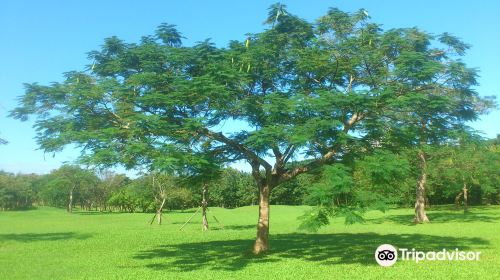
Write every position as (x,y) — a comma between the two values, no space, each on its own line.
(42,39)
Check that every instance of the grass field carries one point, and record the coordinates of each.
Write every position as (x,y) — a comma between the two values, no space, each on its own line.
(48,243)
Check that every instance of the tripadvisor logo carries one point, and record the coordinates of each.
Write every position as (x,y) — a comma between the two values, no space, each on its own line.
(387,255)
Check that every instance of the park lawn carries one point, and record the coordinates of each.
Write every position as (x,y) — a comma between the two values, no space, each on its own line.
(48,243)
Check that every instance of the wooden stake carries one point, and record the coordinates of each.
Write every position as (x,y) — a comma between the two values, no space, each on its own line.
(190,218)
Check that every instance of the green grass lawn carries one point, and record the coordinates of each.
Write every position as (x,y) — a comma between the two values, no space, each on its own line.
(48,243)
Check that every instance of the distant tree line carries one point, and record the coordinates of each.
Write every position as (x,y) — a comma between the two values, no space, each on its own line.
(466,174)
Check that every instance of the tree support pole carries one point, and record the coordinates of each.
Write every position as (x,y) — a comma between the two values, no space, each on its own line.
(158,213)
(190,218)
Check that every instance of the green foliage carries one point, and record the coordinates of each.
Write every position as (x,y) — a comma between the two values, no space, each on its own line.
(315,218)
(180,198)
(333,188)
(313,96)
(54,195)
(68,179)
(386,177)
(475,164)
(109,183)
(376,181)
(233,189)
(125,201)
(335,196)
(293,192)
(16,191)
(297,86)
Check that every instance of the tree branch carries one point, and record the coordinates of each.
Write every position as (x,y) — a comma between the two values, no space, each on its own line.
(277,153)
(326,158)
(309,166)
(249,154)
(353,120)
(288,153)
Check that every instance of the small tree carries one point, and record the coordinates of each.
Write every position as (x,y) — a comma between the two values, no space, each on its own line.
(109,183)
(71,180)
(201,176)
(470,164)
(161,184)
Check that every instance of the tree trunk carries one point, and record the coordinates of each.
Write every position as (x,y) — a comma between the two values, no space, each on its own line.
(457,200)
(204,203)
(70,204)
(420,215)
(464,190)
(159,216)
(262,242)
(160,211)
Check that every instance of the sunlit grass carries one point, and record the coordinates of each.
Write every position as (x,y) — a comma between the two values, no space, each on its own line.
(48,243)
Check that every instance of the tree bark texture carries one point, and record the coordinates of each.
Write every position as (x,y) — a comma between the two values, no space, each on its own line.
(262,242)
(70,203)
(420,215)
(457,200)
(465,190)
(204,203)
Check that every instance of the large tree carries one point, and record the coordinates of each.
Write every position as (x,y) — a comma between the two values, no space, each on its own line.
(302,95)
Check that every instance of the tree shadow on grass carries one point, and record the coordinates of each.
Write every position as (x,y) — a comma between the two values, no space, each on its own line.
(97,213)
(327,249)
(192,222)
(24,209)
(190,210)
(33,237)
(240,227)
(440,217)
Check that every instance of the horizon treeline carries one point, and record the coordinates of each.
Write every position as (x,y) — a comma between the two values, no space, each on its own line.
(471,169)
